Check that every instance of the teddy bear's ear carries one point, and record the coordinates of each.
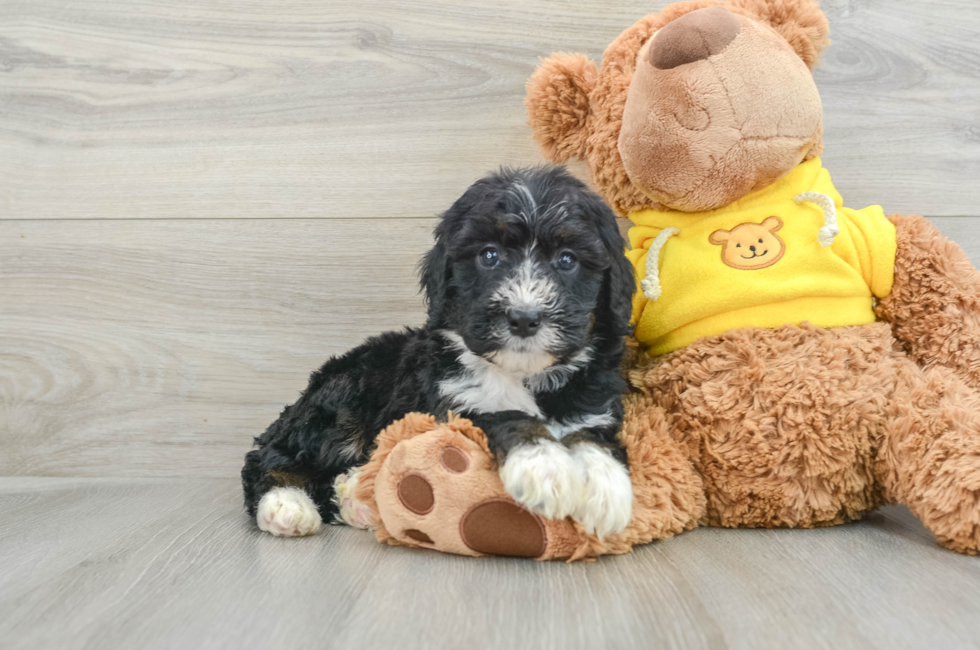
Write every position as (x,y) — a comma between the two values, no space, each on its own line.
(772,224)
(719,237)
(557,104)
(801,22)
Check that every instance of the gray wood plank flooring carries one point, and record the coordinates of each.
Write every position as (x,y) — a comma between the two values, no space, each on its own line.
(106,563)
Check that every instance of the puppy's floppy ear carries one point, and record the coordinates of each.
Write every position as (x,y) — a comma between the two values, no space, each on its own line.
(435,272)
(557,104)
(434,281)
(619,283)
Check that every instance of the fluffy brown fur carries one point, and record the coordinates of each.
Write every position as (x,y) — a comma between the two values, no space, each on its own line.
(559,105)
(934,306)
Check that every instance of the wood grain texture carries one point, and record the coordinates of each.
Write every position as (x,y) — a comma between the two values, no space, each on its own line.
(174,564)
(321,108)
(159,348)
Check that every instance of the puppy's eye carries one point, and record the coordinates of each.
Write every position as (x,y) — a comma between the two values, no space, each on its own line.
(566,261)
(738,245)
(760,241)
(489,257)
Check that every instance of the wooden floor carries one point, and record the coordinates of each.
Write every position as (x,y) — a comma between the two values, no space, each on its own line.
(171,563)
(202,200)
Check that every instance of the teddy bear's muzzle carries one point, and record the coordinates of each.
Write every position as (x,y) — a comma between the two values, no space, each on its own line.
(694,37)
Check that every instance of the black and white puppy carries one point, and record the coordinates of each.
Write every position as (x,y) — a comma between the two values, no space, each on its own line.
(529,298)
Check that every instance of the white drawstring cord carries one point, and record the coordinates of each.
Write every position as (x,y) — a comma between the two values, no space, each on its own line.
(651,284)
(830,229)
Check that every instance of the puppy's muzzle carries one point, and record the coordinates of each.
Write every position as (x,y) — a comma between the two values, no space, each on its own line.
(523,322)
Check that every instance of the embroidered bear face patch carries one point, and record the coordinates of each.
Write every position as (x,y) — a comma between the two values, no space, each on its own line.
(750,246)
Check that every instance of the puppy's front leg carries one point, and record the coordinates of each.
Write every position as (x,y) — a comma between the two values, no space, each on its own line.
(539,472)
(606,506)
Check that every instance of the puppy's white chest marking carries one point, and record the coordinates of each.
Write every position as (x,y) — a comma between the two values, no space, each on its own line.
(486,387)
(483,387)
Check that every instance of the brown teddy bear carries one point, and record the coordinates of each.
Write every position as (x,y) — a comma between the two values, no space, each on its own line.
(797,363)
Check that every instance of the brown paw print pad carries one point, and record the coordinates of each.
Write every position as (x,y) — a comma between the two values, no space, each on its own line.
(418,536)
(498,526)
(416,494)
(454,460)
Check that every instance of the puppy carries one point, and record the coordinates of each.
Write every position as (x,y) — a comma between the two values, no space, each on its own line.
(529,298)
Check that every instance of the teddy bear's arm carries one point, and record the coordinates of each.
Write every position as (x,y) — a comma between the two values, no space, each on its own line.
(934,304)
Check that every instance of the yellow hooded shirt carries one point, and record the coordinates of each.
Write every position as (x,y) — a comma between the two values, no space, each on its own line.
(773,258)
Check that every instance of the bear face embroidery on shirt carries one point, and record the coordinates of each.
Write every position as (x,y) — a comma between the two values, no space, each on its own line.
(750,246)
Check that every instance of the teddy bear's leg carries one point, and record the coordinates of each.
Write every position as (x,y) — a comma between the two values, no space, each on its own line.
(435,485)
(934,305)
(669,495)
(929,458)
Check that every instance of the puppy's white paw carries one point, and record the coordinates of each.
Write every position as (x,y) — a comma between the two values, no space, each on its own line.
(607,503)
(350,511)
(287,512)
(544,478)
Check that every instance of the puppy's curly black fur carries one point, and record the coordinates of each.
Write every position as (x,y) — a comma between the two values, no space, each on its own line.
(529,298)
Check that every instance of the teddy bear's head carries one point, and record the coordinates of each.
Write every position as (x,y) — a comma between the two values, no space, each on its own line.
(693,108)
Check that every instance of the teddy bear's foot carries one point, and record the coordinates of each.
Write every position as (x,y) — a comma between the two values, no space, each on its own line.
(930,458)
(441,491)
(437,487)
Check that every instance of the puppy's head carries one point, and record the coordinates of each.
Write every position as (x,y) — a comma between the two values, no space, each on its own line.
(528,269)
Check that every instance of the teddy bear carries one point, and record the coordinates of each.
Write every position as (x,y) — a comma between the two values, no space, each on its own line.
(795,363)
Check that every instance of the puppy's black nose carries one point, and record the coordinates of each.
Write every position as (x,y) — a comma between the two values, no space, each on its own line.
(523,322)
(752,248)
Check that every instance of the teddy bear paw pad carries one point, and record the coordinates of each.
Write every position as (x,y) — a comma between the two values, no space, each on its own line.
(499,526)
(454,460)
(416,494)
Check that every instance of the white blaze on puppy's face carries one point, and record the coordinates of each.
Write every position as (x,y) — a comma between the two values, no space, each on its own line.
(528,289)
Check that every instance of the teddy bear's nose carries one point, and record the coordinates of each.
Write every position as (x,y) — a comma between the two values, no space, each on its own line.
(694,37)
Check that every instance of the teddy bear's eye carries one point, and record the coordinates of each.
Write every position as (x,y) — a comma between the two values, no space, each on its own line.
(738,245)
(760,241)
